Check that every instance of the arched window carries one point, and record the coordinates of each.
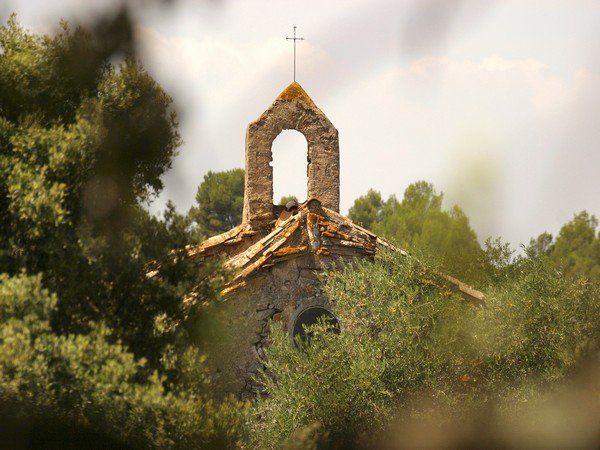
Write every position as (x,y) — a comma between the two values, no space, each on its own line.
(290,164)
(311,316)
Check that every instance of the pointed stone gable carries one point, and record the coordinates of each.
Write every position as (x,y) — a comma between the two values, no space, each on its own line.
(293,109)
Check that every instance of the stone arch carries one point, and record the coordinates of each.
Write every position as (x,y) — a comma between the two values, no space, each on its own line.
(292,110)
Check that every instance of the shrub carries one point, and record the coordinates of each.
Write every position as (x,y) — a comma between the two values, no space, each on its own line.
(76,383)
(410,349)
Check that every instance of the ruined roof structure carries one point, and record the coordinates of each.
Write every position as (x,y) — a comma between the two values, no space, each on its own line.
(278,254)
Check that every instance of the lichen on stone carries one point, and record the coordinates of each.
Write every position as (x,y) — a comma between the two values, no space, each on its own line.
(295,92)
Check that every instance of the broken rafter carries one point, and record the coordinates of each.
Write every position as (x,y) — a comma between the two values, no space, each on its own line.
(323,233)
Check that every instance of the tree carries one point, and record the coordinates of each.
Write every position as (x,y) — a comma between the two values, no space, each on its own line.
(419,224)
(86,335)
(540,246)
(83,144)
(576,250)
(367,209)
(220,201)
(88,382)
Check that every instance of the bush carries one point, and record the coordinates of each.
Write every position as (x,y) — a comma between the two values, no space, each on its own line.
(410,349)
(87,382)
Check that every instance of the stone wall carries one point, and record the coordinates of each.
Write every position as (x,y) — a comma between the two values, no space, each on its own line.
(293,109)
(276,293)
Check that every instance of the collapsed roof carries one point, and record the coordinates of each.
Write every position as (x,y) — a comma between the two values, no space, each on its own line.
(309,228)
(270,234)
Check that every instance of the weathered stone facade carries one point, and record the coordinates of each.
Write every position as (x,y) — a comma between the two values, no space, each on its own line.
(277,276)
(278,294)
(279,255)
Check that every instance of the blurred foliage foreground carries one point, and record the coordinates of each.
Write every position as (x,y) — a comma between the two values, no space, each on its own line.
(95,354)
(90,346)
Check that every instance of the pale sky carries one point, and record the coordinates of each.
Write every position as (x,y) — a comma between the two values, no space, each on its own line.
(497,103)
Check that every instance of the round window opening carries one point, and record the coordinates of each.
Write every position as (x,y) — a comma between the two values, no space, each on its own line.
(311,316)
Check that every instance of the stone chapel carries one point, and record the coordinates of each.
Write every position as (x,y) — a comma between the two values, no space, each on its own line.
(278,253)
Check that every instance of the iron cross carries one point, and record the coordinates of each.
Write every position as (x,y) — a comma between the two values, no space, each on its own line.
(294,39)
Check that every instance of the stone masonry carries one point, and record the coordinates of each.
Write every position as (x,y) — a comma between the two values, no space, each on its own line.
(293,109)
(278,256)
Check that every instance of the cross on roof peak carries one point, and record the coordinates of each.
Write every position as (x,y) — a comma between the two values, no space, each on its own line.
(294,39)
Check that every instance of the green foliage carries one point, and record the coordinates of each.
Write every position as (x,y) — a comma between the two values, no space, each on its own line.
(540,246)
(408,348)
(83,144)
(93,380)
(65,107)
(419,224)
(576,250)
(288,198)
(367,210)
(220,201)
(89,341)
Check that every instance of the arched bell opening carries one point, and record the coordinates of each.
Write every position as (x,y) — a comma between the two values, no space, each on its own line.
(290,166)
